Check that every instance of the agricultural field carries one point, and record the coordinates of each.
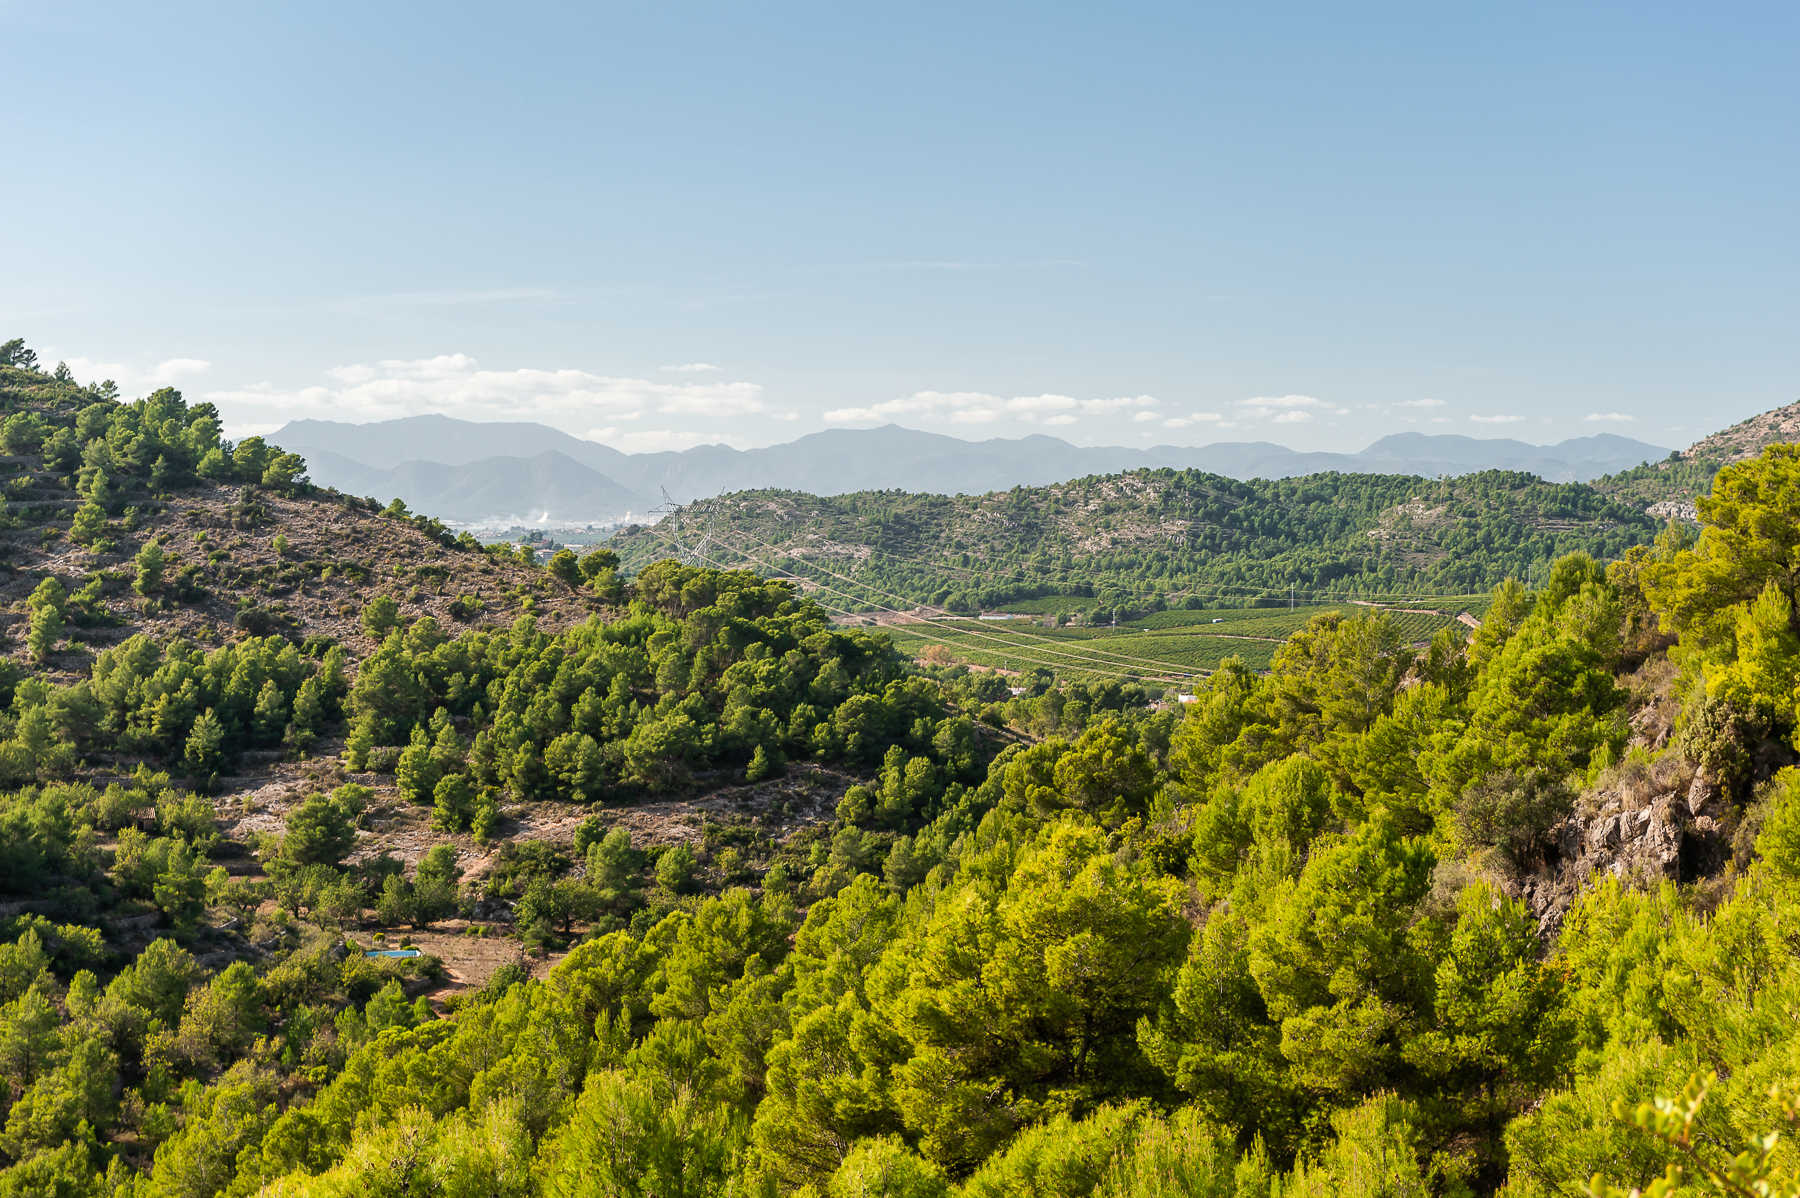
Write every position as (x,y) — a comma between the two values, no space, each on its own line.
(1169,647)
(1281,621)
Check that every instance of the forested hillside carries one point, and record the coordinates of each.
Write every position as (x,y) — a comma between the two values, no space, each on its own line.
(1132,543)
(1506,913)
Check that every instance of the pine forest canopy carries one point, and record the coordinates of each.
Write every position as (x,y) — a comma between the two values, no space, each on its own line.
(716,894)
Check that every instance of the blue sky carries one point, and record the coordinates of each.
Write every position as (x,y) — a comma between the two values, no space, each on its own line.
(661,224)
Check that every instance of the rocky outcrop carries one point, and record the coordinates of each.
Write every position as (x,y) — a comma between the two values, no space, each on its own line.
(1675,509)
(1747,438)
(1644,825)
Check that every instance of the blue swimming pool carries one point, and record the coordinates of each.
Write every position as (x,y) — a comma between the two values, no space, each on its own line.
(392,952)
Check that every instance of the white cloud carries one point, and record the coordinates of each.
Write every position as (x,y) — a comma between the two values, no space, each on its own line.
(693,368)
(1496,419)
(979,407)
(456,385)
(1144,417)
(1031,404)
(137,380)
(443,366)
(713,399)
(1099,407)
(920,404)
(1420,403)
(177,368)
(1275,403)
(1609,418)
(1289,409)
(656,440)
(1193,418)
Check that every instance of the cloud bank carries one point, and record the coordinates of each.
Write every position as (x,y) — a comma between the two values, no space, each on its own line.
(138,380)
(979,407)
(457,385)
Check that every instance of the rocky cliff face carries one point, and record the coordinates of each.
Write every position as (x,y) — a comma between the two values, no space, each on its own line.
(1665,822)
(1650,821)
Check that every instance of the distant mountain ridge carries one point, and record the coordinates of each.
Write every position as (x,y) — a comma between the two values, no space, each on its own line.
(476,471)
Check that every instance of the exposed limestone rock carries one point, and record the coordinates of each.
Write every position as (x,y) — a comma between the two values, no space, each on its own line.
(1643,825)
(1650,727)
(1674,509)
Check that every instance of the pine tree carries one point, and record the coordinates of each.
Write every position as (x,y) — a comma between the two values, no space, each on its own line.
(46,630)
(453,803)
(358,745)
(308,714)
(270,715)
(760,766)
(205,751)
(319,832)
(150,564)
(89,527)
(486,819)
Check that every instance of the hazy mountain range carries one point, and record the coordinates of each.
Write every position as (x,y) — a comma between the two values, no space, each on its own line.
(473,471)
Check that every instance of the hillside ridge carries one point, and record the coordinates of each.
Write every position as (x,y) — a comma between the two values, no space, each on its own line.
(1749,437)
(1134,542)
(1668,489)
